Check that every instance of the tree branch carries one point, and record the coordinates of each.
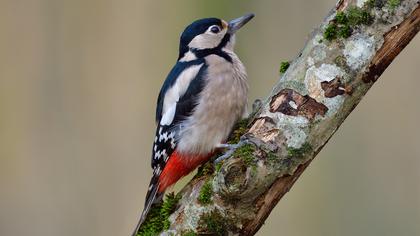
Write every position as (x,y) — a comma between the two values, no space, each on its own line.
(340,62)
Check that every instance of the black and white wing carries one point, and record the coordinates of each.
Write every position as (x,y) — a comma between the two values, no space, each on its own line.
(177,99)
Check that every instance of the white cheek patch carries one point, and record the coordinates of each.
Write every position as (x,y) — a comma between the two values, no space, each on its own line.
(207,40)
(173,95)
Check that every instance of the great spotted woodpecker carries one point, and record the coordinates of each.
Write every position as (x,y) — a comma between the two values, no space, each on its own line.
(202,98)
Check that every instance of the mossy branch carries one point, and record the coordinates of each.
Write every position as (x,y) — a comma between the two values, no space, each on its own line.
(316,92)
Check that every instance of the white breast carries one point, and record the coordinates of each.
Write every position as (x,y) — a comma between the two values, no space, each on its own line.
(223,101)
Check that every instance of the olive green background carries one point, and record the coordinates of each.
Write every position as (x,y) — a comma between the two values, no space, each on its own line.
(78,86)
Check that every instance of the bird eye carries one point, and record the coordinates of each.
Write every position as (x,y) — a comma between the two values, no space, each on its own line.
(215,29)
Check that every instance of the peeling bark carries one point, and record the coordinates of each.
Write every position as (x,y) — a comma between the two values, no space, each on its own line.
(291,103)
(311,100)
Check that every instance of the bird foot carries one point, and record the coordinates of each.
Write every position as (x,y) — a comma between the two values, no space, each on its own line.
(230,149)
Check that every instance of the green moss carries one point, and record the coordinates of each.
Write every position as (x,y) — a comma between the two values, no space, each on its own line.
(240,128)
(246,153)
(392,4)
(299,152)
(341,18)
(249,160)
(369,4)
(284,65)
(206,193)
(206,169)
(214,223)
(152,224)
(271,156)
(359,16)
(344,31)
(218,166)
(344,22)
(168,207)
(158,218)
(330,32)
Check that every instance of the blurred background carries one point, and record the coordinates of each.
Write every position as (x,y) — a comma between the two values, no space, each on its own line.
(78,86)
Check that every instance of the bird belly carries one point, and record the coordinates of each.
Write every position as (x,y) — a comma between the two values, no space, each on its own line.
(222,103)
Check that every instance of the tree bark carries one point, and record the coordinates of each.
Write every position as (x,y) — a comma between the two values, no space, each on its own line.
(340,62)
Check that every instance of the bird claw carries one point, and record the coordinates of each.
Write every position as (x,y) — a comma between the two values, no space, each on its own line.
(230,150)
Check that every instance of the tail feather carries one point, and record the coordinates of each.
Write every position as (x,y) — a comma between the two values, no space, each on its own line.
(153,196)
(172,170)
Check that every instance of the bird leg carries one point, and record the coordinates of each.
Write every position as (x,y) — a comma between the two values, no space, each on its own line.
(229,150)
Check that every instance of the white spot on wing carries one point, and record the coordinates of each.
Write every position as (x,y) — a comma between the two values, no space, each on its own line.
(173,145)
(157,155)
(157,170)
(189,56)
(163,136)
(177,91)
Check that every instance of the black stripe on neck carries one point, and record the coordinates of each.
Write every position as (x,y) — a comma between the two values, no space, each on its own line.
(200,53)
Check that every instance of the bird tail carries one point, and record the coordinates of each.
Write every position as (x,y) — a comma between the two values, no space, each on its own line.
(153,196)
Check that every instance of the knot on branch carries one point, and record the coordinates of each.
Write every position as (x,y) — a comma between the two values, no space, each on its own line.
(242,178)
(233,179)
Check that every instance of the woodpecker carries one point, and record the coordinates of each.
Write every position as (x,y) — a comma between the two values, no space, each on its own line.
(202,98)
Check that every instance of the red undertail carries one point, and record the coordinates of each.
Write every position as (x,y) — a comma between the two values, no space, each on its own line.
(178,166)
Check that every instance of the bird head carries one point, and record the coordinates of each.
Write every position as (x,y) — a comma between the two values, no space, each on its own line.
(211,34)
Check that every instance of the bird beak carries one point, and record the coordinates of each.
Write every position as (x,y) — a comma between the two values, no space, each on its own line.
(236,24)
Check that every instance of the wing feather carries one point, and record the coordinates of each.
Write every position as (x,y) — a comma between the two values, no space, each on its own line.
(174,77)
(168,120)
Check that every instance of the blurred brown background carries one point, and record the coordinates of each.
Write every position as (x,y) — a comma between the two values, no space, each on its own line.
(78,85)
